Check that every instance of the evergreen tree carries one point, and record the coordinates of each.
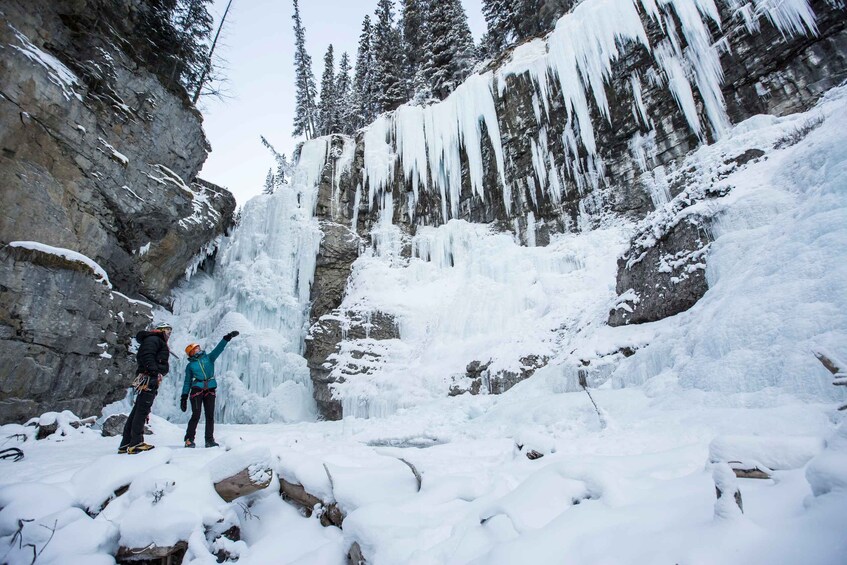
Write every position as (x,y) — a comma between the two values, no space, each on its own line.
(328,106)
(413,25)
(305,117)
(451,49)
(270,184)
(283,166)
(510,21)
(466,54)
(344,97)
(283,171)
(176,34)
(209,70)
(389,86)
(194,26)
(363,98)
(499,15)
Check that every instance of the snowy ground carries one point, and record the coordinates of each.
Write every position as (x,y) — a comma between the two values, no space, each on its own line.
(732,378)
(639,491)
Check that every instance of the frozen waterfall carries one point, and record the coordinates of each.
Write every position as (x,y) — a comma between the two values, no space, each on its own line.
(259,285)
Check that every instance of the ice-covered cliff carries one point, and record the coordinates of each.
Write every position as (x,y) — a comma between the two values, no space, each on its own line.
(583,181)
(618,125)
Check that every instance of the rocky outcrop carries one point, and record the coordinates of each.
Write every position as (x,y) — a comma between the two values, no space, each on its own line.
(765,71)
(65,337)
(480,379)
(98,155)
(341,345)
(665,279)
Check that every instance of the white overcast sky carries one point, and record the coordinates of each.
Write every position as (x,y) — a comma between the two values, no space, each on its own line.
(258,46)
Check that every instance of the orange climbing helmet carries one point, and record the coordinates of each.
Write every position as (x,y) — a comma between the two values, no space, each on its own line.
(190,350)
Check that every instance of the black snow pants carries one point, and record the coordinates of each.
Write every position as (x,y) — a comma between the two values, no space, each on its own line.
(134,427)
(202,400)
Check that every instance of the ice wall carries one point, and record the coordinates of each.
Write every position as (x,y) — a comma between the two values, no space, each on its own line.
(467,293)
(462,292)
(259,286)
(426,142)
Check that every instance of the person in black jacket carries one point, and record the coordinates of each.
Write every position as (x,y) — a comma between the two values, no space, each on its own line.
(153,364)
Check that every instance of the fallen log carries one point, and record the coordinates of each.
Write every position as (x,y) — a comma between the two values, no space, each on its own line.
(295,493)
(830,362)
(835,366)
(247,481)
(165,555)
(415,472)
(749,470)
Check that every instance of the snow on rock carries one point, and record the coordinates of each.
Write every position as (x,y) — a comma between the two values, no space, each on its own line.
(468,293)
(66,254)
(98,482)
(164,506)
(114,153)
(44,516)
(771,298)
(59,74)
(775,452)
(729,503)
(380,480)
(537,500)
(239,459)
(30,501)
(530,440)
(827,472)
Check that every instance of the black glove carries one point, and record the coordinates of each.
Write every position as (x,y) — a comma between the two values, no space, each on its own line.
(230,335)
(183,402)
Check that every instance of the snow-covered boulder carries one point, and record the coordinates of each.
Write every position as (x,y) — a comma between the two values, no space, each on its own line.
(827,472)
(773,452)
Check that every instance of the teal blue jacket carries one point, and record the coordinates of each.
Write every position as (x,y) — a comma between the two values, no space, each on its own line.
(200,372)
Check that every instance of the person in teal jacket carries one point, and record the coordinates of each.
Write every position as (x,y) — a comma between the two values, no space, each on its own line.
(200,386)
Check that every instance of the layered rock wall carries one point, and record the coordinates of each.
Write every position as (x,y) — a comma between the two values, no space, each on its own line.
(540,175)
(98,155)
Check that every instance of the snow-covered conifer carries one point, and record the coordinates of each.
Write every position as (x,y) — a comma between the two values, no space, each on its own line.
(327,107)
(283,166)
(389,86)
(193,27)
(499,16)
(413,20)
(451,49)
(283,170)
(363,104)
(344,96)
(270,183)
(305,112)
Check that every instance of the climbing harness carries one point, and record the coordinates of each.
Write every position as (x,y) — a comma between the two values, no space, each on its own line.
(141,383)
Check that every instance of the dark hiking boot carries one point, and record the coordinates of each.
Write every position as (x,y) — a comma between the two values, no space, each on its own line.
(189,443)
(132,450)
(212,443)
(122,449)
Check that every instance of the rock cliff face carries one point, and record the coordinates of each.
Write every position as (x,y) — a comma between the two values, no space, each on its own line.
(97,156)
(545,178)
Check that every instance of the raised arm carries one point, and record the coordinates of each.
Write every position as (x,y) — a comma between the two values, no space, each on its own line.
(215,353)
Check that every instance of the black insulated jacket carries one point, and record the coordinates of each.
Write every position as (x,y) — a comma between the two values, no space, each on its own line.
(152,353)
